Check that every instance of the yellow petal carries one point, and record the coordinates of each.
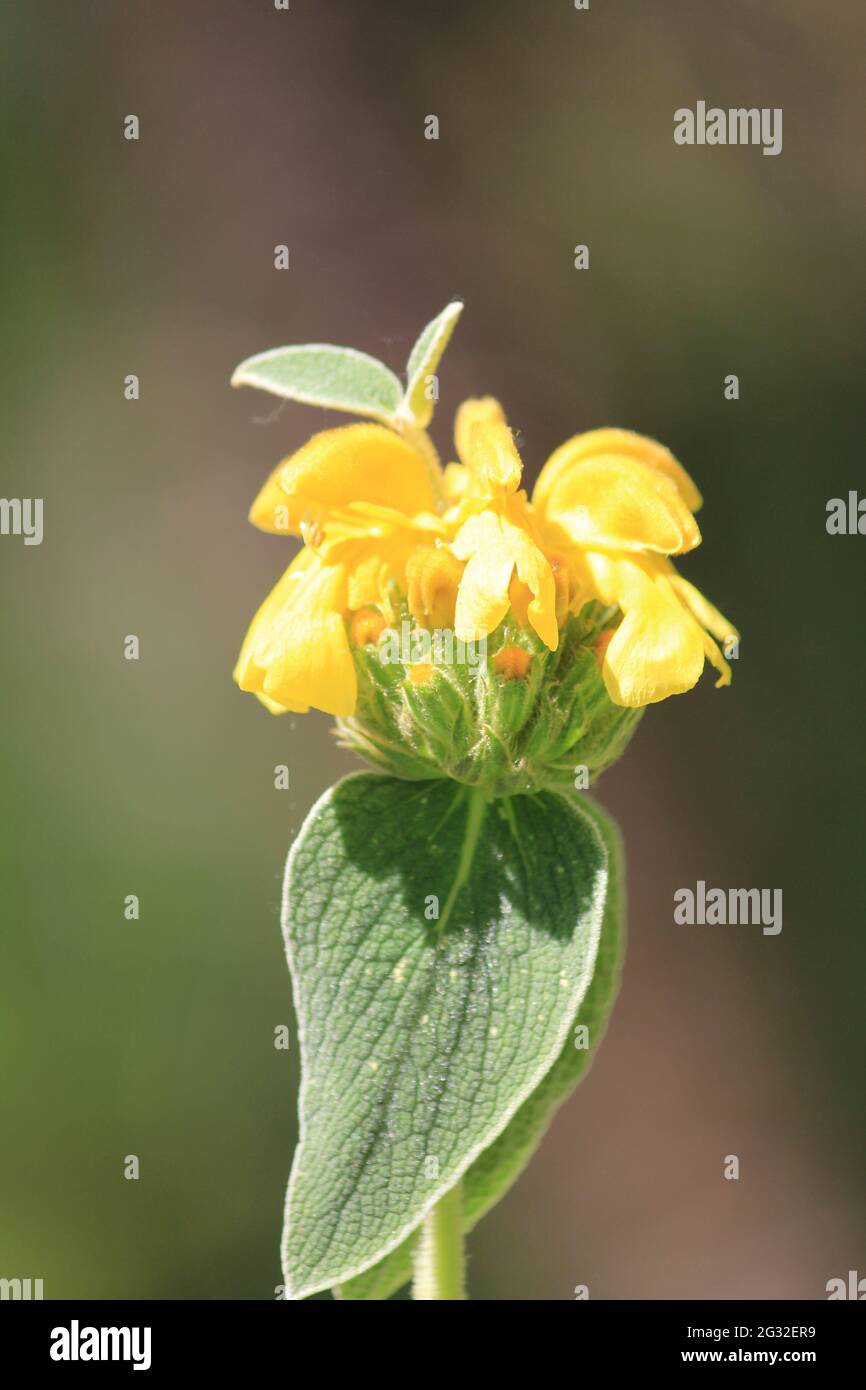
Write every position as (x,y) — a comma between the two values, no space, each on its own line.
(715,657)
(374,544)
(611,500)
(708,616)
(272,707)
(361,520)
(658,649)
(456,480)
(433,575)
(534,571)
(494,460)
(296,652)
(469,414)
(368,579)
(495,549)
(357,463)
(621,444)
(375,565)
(482,598)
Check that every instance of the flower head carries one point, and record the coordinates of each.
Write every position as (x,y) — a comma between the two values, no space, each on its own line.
(388,536)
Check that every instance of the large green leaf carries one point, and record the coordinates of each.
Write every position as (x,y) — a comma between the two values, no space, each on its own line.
(421,1039)
(499,1166)
(423,361)
(336,378)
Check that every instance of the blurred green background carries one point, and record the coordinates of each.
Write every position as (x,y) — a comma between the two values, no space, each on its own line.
(155,777)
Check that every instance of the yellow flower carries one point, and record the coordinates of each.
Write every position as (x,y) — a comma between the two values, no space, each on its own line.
(334,472)
(622,505)
(495,532)
(363,501)
(609,510)
(296,653)
(611,489)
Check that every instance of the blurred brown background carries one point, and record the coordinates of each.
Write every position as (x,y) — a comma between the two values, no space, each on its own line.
(306,127)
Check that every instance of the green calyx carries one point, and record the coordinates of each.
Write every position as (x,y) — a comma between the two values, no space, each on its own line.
(508,716)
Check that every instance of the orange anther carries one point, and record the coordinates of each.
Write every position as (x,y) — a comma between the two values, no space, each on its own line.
(367,625)
(512,662)
(421,673)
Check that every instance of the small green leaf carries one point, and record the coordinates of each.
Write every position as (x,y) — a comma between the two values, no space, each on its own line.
(499,1166)
(335,378)
(421,1037)
(423,361)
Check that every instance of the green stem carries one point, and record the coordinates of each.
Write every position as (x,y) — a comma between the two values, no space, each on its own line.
(439,1258)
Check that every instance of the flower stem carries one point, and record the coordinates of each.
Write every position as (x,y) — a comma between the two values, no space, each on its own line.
(439,1258)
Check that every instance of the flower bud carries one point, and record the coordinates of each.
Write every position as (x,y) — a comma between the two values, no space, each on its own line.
(506,714)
